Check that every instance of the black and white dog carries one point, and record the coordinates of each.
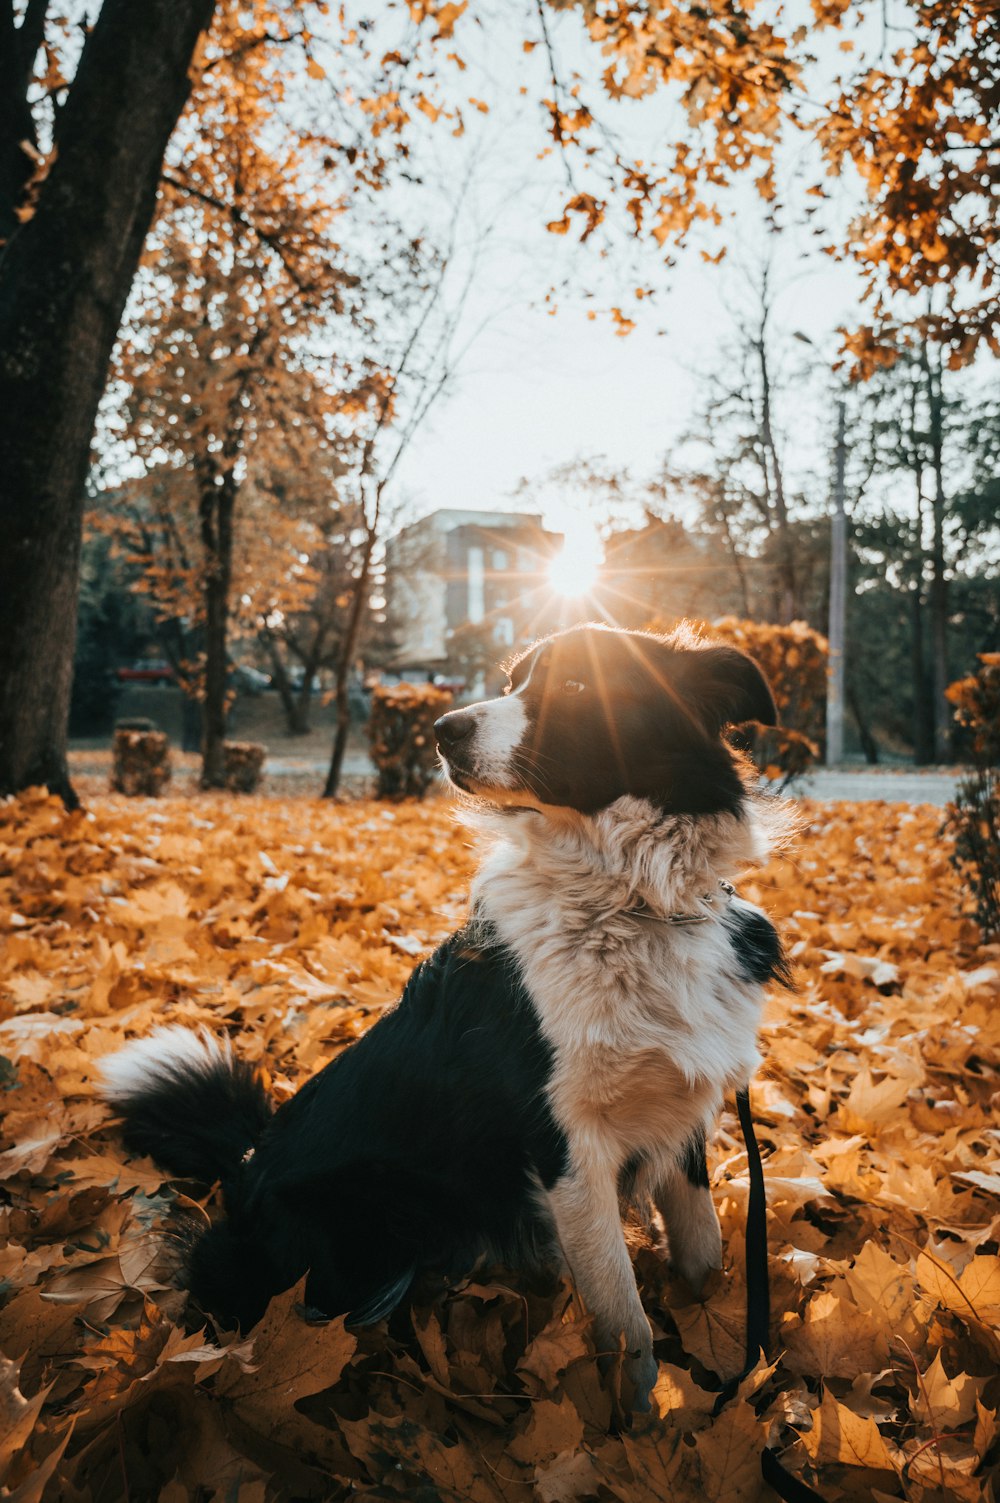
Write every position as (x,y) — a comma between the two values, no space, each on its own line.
(566,1052)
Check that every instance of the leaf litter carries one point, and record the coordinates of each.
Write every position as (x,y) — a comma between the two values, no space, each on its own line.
(291,926)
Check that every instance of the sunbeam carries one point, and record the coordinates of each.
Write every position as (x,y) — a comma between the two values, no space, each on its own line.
(574,570)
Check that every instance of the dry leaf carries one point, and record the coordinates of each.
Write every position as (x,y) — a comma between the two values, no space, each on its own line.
(288,926)
(839,1435)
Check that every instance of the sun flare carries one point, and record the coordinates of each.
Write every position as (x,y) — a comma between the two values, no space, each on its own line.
(573,571)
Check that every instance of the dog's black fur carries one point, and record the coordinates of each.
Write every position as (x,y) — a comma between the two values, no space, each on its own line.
(415,1149)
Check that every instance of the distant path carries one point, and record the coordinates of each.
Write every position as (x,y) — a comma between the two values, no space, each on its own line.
(897,786)
(356,764)
(864,784)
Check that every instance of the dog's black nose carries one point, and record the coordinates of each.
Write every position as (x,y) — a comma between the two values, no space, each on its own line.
(453,728)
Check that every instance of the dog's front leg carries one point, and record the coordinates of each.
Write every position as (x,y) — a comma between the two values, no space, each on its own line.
(684,1200)
(584,1206)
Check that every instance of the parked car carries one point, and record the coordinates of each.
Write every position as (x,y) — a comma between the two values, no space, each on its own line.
(296,677)
(247,680)
(146,671)
(454,686)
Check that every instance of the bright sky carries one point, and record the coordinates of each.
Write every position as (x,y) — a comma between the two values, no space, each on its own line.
(535,390)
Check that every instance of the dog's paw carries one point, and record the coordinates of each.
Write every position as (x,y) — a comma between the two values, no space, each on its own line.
(640,1373)
(696,1250)
(700,1278)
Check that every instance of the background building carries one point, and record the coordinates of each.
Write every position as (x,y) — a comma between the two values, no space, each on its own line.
(466,583)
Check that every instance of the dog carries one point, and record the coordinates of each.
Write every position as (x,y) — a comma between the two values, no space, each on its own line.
(564,1054)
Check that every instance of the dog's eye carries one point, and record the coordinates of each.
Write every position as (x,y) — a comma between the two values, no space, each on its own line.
(573,686)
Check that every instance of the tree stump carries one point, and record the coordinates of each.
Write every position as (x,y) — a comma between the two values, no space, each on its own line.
(141,762)
(244,765)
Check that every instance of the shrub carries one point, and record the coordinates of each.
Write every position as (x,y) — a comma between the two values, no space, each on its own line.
(244,762)
(401,734)
(794,660)
(140,761)
(974,817)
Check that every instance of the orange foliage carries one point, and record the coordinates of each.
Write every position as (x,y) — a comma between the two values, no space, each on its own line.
(793,659)
(401,736)
(974,816)
(291,926)
(977,708)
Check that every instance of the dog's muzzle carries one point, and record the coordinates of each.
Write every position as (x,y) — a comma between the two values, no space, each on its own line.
(453,728)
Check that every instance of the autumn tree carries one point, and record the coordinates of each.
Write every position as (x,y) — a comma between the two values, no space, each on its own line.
(910,119)
(299,639)
(919,121)
(407,341)
(222,397)
(473,656)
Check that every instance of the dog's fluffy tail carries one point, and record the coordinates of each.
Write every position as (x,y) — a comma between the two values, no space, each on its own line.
(187,1101)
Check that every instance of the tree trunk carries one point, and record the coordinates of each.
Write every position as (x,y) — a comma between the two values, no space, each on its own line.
(923,717)
(788,597)
(217,506)
(868,743)
(345,662)
(282,683)
(190,724)
(923,730)
(180,651)
(64,277)
(303,702)
(939,579)
(736,558)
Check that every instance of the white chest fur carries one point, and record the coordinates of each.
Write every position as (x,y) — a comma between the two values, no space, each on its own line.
(649,1020)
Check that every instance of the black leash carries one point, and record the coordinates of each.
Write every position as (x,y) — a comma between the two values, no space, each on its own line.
(789,1487)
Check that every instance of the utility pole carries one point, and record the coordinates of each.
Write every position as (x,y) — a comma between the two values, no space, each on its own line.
(838,601)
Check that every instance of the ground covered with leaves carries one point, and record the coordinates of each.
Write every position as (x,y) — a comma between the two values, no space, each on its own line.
(291,925)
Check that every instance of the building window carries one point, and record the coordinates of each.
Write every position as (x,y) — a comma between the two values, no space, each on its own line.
(503,632)
(476,599)
(499,560)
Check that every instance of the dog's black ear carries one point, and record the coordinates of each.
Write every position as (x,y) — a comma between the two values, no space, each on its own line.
(728,688)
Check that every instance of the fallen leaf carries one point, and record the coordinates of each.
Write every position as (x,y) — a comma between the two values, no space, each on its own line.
(838,1435)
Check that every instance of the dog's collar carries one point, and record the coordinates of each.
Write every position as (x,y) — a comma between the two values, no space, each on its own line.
(642,909)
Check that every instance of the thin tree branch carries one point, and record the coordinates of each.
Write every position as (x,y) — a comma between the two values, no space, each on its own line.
(274,242)
(557,89)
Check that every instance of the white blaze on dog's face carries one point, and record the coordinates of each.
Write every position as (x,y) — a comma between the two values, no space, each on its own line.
(593,714)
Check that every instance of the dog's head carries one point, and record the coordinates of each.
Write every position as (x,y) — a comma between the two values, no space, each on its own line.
(593,714)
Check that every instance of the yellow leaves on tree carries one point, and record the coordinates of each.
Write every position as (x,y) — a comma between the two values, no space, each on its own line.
(916,127)
(290,926)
